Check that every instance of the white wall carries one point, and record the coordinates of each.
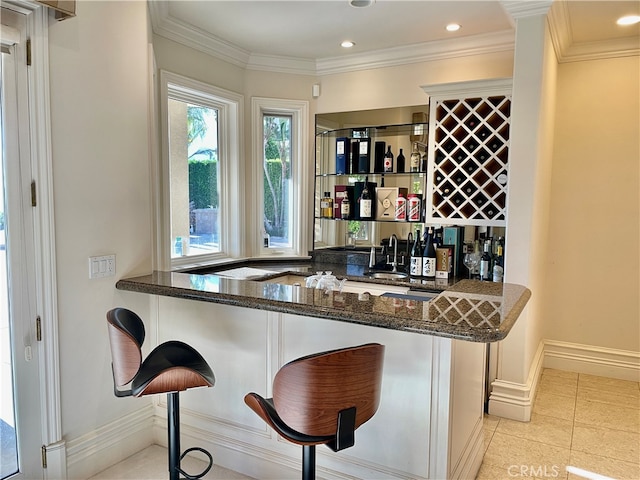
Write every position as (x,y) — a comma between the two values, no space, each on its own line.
(99,94)
(528,197)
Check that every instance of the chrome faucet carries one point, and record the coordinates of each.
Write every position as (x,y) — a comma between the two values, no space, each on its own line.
(394,262)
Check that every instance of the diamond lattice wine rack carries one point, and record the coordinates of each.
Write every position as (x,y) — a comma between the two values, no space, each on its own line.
(468,171)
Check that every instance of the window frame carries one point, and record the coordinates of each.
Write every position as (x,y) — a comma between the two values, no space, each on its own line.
(230,169)
(298,110)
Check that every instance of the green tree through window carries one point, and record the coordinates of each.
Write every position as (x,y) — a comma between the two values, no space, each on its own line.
(277,177)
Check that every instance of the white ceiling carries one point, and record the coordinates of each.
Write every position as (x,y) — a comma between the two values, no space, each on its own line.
(304,36)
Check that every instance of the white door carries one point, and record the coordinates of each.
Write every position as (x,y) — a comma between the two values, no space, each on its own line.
(20,408)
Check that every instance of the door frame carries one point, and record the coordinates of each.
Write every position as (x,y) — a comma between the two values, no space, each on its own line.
(44,236)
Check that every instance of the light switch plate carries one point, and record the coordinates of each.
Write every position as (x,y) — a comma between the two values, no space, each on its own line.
(103,266)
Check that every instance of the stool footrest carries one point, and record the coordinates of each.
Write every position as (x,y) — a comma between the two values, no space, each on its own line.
(204,472)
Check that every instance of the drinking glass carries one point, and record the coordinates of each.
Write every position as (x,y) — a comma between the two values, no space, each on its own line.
(470,261)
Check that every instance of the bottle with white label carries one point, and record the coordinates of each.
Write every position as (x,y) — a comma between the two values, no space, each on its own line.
(365,201)
(345,208)
(485,263)
(388,160)
(429,256)
(415,268)
(326,206)
(414,160)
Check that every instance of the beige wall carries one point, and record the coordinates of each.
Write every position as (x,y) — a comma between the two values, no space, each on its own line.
(591,293)
(400,86)
(99,94)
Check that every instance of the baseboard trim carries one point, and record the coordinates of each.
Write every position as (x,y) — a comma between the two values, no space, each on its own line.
(56,461)
(109,444)
(589,359)
(515,400)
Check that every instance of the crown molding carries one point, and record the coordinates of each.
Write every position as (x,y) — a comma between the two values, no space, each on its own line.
(186,34)
(423,52)
(558,19)
(567,50)
(519,9)
(167,26)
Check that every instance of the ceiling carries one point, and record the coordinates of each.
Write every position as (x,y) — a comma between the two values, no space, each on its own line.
(304,36)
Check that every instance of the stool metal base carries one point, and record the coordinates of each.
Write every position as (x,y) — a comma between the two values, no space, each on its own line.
(173,432)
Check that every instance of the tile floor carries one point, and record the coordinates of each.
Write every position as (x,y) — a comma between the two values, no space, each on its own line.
(583,421)
(578,420)
(151,464)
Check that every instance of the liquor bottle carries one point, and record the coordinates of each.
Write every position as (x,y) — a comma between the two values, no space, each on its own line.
(400,162)
(388,160)
(423,162)
(364,156)
(498,264)
(429,256)
(365,201)
(485,263)
(414,164)
(326,206)
(345,208)
(401,208)
(415,268)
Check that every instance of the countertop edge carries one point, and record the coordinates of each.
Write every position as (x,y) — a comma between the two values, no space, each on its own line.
(145,284)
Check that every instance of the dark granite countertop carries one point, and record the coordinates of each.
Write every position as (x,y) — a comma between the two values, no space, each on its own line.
(467,310)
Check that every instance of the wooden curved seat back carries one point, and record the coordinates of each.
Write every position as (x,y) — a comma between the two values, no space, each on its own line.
(126,336)
(308,393)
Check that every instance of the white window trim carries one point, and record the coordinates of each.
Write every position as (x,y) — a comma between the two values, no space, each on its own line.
(299,112)
(231,170)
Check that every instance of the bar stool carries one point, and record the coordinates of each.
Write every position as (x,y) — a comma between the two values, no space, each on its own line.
(170,368)
(322,399)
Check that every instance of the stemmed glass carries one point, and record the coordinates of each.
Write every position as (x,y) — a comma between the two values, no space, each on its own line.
(471,260)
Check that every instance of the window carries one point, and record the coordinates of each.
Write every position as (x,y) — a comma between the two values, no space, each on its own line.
(201,153)
(280,137)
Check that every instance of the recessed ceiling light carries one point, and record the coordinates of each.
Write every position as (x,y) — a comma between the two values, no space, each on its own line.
(629,20)
(347,44)
(453,27)
(361,3)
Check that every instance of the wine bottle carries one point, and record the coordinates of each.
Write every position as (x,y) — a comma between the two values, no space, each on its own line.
(415,268)
(345,208)
(400,162)
(498,264)
(365,201)
(388,160)
(485,263)
(429,256)
(415,159)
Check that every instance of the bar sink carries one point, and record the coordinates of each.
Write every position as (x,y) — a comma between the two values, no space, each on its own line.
(387,275)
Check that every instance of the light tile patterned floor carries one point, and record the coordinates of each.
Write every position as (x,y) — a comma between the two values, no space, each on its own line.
(588,422)
(151,464)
